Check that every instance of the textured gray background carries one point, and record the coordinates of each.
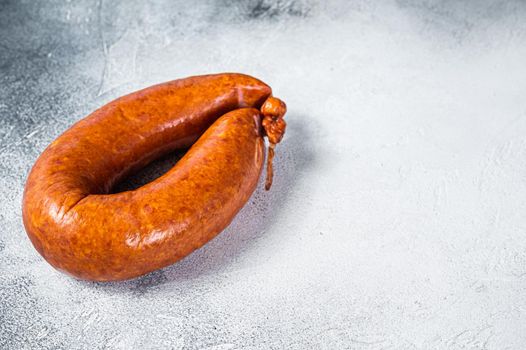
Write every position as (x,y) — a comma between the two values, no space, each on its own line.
(397,218)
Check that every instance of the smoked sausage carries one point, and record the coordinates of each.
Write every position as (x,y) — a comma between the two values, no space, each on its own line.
(81,228)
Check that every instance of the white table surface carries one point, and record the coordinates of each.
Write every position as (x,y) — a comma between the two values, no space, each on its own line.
(397,216)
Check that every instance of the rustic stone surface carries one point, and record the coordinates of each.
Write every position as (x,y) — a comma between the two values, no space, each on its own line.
(396,218)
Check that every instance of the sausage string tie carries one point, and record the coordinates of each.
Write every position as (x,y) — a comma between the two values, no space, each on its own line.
(274,126)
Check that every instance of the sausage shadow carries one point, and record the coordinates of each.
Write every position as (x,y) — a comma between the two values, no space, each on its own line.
(294,156)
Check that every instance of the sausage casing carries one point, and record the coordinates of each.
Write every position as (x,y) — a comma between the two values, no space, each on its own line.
(80,228)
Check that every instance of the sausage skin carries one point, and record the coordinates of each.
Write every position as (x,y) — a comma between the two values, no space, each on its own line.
(82,229)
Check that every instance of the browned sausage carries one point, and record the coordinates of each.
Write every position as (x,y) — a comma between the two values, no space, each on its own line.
(80,228)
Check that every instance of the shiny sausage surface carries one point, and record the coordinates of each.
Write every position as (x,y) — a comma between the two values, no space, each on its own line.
(82,229)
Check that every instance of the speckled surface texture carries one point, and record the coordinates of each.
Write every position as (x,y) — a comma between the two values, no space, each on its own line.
(396,220)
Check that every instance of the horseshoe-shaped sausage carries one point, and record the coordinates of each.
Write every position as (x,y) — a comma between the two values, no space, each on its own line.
(81,228)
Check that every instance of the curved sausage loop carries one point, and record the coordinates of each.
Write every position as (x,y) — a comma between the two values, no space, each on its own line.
(80,227)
